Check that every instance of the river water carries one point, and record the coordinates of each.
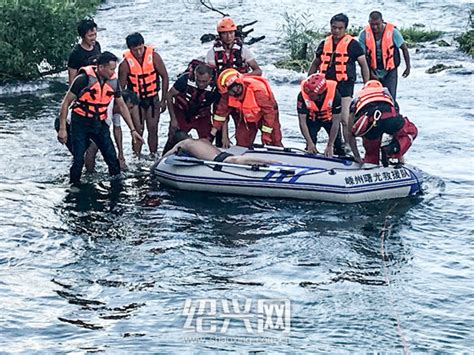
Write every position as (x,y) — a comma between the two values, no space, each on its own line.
(99,270)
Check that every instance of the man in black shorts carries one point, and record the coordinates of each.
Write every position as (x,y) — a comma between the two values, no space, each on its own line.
(336,57)
(143,71)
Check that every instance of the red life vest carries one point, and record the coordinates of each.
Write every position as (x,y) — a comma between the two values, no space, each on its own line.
(142,78)
(94,99)
(235,57)
(387,46)
(341,56)
(248,107)
(195,98)
(325,112)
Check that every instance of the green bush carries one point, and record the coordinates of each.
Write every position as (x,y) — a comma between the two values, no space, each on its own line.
(36,36)
(414,34)
(466,39)
(301,37)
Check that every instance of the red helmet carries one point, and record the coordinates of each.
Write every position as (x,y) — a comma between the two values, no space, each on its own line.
(315,83)
(227,78)
(365,123)
(361,126)
(226,24)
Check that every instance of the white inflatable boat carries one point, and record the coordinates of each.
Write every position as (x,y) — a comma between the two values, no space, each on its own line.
(297,175)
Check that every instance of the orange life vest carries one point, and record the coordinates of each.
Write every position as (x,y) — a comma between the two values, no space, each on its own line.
(325,112)
(341,56)
(387,46)
(94,99)
(248,107)
(235,56)
(142,78)
(368,95)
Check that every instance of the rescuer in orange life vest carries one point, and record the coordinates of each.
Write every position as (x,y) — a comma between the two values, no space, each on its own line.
(141,71)
(252,99)
(319,106)
(229,51)
(381,42)
(335,57)
(90,94)
(373,113)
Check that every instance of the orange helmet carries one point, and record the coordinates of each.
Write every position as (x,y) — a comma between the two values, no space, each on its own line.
(226,24)
(315,83)
(227,78)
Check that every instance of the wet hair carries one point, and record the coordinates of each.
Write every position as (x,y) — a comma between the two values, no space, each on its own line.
(85,26)
(179,136)
(340,18)
(105,58)
(129,96)
(134,40)
(375,15)
(202,69)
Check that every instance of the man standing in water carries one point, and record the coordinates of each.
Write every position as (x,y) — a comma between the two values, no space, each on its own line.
(91,93)
(381,42)
(335,58)
(229,51)
(85,53)
(141,71)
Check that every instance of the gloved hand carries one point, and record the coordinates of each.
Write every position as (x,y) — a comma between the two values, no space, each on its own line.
(211,137)
(266,138)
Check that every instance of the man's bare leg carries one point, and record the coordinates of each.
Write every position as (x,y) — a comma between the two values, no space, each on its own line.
(152,128)
(139,126)
(346,104)
(242,159)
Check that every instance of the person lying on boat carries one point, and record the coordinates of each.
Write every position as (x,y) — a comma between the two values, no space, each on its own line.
(375,112)
(203,149)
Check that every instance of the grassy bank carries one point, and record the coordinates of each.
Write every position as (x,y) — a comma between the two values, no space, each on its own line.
(36,36)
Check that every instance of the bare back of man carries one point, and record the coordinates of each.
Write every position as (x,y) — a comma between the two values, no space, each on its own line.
(203,149)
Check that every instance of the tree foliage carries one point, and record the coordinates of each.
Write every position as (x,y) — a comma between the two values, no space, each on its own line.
(36,36)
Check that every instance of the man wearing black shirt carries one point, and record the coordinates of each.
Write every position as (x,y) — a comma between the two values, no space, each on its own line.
(336,57)
(86,52)
(91,93)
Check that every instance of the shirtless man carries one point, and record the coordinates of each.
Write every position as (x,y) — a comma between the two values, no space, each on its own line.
(203,149)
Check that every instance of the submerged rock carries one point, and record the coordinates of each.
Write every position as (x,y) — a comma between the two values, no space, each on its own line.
(442,43)
(440,67)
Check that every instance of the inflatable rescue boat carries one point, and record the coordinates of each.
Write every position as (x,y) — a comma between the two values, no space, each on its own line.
(297,175)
